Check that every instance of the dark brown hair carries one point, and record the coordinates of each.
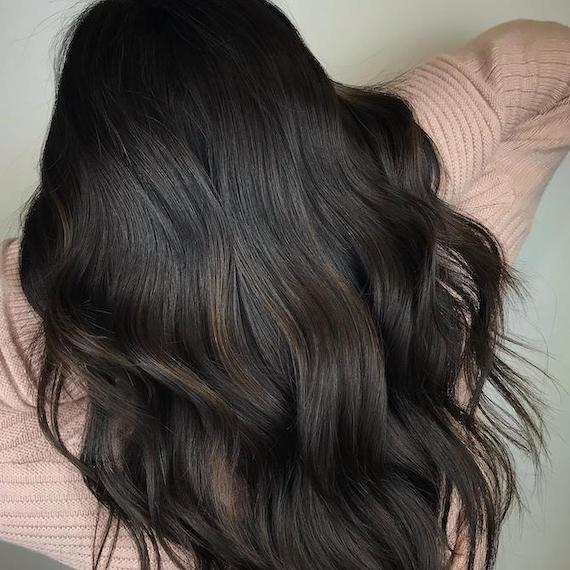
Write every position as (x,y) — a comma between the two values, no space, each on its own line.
(248,269)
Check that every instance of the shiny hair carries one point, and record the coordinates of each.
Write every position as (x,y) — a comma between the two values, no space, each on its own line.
(247,269)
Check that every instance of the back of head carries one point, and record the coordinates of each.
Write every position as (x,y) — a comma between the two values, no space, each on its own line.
(269,308)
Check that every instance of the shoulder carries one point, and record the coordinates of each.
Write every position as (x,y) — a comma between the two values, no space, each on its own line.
(18,323)
(9,252)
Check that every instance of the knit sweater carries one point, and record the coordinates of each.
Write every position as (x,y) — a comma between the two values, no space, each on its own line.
(498,112)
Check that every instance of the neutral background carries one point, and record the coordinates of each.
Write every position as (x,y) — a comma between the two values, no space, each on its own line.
(357,41)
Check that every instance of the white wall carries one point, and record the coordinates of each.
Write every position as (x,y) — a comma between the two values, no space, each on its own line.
(359,41)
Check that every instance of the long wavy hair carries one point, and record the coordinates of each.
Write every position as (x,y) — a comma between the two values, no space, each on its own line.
(283,334)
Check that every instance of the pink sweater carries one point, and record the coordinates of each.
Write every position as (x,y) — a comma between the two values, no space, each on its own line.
(498,111)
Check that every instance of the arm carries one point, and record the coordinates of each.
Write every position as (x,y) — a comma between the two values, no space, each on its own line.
(498,111)
(17,325)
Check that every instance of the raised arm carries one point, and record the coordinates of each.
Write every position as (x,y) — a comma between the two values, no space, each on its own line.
(498,111)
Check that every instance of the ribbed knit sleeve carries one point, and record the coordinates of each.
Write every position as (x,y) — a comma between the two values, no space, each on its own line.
(498,111)
(17,325)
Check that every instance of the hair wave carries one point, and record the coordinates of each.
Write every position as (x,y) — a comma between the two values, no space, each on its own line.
(247,268)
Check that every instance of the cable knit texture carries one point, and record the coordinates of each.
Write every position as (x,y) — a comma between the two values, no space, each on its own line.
(498,111)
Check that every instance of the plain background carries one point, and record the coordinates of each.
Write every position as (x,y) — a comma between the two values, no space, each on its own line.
(357,41)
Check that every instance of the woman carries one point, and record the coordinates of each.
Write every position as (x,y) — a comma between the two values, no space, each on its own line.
(252,311)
